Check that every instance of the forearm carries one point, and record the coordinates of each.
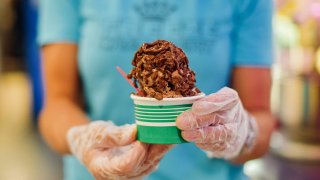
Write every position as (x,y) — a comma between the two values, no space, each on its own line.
(62,109)
(56,118)
(253,86)
(266,124)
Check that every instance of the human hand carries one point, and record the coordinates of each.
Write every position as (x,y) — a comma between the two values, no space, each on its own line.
(112,152)
(219,124)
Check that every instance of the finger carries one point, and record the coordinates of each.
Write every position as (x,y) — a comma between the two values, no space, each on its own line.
(222,100)
(158,150)
(127,159)
(155,154)
(145,170)
(119,135)
(117,161)
(91,131)
(221,153)
(219,146)
(211,134)
(188,120)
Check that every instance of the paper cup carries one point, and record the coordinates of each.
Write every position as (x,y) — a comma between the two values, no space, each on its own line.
(156,119)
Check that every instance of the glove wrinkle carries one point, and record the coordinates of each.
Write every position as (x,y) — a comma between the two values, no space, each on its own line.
(219,124)
(112,152)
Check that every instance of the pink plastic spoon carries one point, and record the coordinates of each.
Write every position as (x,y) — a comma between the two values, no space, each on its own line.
(140,93)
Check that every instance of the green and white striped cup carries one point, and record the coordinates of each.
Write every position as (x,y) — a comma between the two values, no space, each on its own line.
(156,119)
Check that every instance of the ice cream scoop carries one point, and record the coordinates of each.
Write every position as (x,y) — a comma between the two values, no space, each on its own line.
(161,70)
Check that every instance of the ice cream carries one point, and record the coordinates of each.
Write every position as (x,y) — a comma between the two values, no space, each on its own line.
(161,70)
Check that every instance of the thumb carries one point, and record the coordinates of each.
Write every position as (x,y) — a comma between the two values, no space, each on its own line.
(154,155)
(119,161)
(120,135)
(222,100)
(158,150)
(127,159)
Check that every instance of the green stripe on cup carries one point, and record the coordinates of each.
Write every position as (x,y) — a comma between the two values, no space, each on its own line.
(160,121)
(156,116)
(166,107)
(162,110)
(158,113)
(156,120)
(169,135)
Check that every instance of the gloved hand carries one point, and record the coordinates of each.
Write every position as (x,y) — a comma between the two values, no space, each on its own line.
(112,152)
(219,124)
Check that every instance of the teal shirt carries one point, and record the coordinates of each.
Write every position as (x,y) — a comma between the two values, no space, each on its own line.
(216,35)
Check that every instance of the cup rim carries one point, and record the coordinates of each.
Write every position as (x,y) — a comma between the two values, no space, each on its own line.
(150,99)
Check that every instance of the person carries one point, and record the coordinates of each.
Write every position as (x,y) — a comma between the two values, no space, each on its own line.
(87,104)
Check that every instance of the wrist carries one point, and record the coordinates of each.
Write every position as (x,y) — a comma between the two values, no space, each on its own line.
(249,144)
(252,135)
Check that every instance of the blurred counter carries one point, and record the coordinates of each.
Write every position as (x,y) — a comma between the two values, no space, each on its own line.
(272,167)
(23,155)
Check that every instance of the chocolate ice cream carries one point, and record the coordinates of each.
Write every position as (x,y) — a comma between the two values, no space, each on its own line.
(161,70)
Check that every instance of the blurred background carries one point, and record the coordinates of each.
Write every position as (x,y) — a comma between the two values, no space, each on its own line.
(295,146)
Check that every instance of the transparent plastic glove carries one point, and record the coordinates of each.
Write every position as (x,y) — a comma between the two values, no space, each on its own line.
(112,152)
(219,124)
